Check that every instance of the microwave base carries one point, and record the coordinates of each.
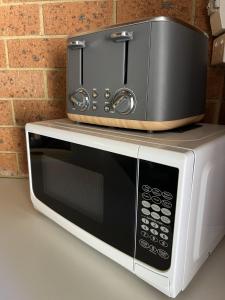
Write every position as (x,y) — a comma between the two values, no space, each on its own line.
(155,279)
(135,124)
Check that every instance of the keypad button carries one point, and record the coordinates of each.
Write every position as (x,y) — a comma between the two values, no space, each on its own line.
(153,238)
(162,253)
(153,249)
(156,200)
(94,93)
(163,243)
(156,192)
(145,211)
(145,204)
(107,94)
(167,204)
(146,196)
(145,227)
(146,188)
(164,229)
(107,108)
(154,225)
(166,211)
(144,234)
(153,231)
(164,236)
(155,207)
(167,195)
(165,220)
(145,221)
(144,243)
(155,215)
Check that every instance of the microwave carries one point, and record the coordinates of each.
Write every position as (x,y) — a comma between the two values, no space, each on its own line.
(153,203)
(146,75)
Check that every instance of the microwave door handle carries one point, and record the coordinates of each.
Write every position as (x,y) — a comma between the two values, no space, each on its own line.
(122,36)
(78,44)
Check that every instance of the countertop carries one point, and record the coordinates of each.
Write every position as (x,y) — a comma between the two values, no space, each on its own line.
(41,261)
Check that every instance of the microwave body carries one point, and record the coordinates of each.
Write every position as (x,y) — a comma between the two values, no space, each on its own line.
(148,75)
(151,203)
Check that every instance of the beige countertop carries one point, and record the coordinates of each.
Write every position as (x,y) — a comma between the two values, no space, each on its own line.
(41,261)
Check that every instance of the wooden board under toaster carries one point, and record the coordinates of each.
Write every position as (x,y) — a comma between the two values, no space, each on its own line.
(135,124)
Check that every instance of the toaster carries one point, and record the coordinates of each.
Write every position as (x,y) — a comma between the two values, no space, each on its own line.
(147,75)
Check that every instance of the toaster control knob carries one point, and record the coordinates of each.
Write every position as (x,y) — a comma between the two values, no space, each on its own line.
(124,102)
(80,100)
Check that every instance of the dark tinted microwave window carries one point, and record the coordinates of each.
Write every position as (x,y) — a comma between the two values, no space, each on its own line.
(89,184)
(94,189)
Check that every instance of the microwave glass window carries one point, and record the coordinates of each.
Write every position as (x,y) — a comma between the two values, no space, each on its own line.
(87,183)
(157,195)
(94,189)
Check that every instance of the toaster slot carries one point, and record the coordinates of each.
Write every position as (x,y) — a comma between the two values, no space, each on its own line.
(76,58)
(81,66)
(125,37)
(126,51)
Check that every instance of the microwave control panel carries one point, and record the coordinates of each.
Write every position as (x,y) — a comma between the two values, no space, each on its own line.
(156,214)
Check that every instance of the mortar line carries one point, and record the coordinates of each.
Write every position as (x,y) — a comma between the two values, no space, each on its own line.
(34,36)
(7,152)
(15,176)
(114,12)
(31,99)
(18,165)
(41,18)
(6,54)
(45,84)
(12,126)
(193,12)
(40,2)
(32,69)
(13,112)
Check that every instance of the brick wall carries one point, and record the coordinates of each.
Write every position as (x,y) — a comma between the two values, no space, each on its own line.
(33,55)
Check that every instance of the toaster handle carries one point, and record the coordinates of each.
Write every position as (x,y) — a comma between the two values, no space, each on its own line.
(122,36)
(77,44)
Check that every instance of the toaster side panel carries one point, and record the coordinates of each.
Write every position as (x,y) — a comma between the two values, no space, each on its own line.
(178,67)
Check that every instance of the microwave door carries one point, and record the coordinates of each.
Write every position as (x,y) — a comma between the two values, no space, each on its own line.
(94,189)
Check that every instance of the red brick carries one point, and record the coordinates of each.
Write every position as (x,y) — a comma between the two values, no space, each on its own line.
(222,114)
(56,84)
(19,20)
(201,16)
(37,53)
(20,84)
(38,110)
(137,9)
(8,164)
(19,1)
(23,165)
(2,55)
(71,18)
(6,117)
(211,114)
(12,139)
(215,83)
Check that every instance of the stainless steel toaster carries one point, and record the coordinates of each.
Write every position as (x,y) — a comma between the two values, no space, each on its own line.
(148,75)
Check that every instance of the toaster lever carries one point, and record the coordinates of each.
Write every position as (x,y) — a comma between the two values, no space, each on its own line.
(122,36)
(77,44)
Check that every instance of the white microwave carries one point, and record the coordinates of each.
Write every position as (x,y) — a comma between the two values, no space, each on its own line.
(154,203)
